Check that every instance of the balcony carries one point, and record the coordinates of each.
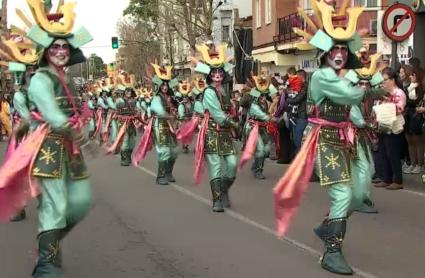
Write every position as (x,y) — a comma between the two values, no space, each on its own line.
(286,24)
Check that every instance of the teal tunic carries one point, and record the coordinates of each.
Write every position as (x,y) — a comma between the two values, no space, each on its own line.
(127,108)
(334,96)
(165,141)
(66,192)
(101,104)
(218,139)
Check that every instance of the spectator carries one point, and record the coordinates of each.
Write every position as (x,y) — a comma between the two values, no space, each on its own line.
(404,75)
(284,137)
(298,112)
(414,123)
(389,143)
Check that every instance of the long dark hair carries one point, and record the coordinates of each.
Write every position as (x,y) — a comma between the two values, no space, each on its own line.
(419,78)
(392,74)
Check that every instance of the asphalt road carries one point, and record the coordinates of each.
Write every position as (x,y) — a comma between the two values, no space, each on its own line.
(140,229)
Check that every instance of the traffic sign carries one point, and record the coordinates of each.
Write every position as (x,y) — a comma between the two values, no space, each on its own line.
(398,22)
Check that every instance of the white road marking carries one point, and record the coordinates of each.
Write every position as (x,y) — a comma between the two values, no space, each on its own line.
(408,191)
(251,222)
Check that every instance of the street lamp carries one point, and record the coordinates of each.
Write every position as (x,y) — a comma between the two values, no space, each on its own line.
(218,6)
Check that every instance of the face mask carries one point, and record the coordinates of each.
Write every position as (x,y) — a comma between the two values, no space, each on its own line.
(337,57)
(58,53)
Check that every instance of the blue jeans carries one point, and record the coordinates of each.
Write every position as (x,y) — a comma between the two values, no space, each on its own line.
(297,129)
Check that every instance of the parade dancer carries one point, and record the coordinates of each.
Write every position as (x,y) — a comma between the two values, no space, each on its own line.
(370,79)
(256,131)
(215,139)
(199,86)
(48,164)
(92,106)
(330,141)
(185,109)
(111,122)
(164,111)
(21,65)
(102,115)
(128,120)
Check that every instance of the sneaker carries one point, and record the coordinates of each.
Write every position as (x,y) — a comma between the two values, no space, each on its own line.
(409,169)
(416,170)
(405,166)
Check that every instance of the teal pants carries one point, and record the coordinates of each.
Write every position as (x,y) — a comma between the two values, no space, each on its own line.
(166,153)
(262,149)
(63,202)
(345,197)
(92,125)
(113,131)
(362,173)
(215,166)
(128,142)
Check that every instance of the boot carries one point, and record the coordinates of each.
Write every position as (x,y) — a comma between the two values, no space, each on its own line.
(48,250)
(257,168)
(19,217)
(333,260)
(91,133)
(161,177)
(322,230)
(216,195)
(367,207)
(185,148)
(124,158)
(170,168)
(226,184)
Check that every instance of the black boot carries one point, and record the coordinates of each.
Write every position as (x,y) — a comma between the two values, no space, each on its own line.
(91,133)
(216,195)
(125,159)
(19,217)
(227,183)
(257,168)
(48,250)
(322,230)
(367,207)
(161,177)
(333,260)
(185,148)
(170,168)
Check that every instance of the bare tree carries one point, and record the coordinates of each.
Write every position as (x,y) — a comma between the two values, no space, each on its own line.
(139,45)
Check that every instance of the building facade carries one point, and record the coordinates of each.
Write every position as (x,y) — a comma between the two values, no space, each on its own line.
(274,39)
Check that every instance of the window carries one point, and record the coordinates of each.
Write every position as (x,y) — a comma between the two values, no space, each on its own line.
(368,3)
(225,33)
(268,11)
(258,13)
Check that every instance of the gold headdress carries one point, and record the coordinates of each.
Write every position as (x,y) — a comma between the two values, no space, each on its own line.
(163,72)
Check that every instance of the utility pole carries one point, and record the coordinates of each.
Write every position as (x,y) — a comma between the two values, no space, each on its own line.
(3,32)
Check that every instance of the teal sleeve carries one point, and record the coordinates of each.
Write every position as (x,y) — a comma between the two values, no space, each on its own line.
(111,103)
(356,116)
(374,93)
(101,103)
(181,110)
(138,106)
(90,104)
(213,106)
(21,106)
(149,111)
(157,108)
(325,83)
(256,112)
(42,94)
(198,107)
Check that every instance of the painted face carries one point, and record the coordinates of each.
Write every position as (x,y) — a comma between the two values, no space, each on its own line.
(164,88)
(128,94)
(59,53)
(364,84)
(338,56)
(217,75)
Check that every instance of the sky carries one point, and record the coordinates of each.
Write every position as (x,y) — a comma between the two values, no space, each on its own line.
(100,17)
